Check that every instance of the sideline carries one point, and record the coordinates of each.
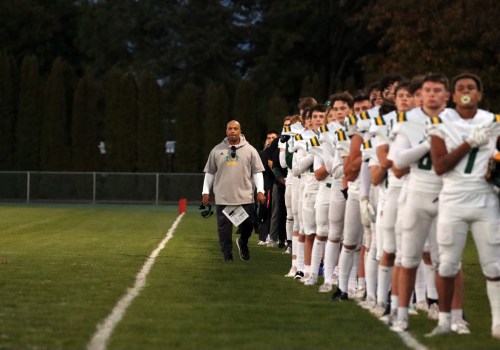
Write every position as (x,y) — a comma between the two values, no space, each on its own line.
(105,328)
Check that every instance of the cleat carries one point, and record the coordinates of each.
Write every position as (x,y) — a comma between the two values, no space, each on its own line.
(412,310)
(326,288)
(460,327)
(400,325)
(422,305)
(439,330)
(243,248)
(228,257)
(351,293)
(433,312)
(495,331)
(360,294)
(272,244)
(261,243)
(298,275)
(304,278)
(311,280)
(339,295)
(368,304)
(379,310)
(292,272)
(288,250)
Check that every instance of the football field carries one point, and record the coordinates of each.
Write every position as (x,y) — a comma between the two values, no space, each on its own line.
(64,269)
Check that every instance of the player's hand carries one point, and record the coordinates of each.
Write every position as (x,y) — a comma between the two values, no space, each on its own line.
(205,199)
(261,198)
(478,137)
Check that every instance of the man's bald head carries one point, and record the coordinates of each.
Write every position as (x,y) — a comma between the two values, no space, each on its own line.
(233,132)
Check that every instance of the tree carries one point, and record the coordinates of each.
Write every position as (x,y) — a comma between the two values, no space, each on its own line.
(43,28)
(245,112)
(416,38)
(150,135)
(216,116)
(188,130)
(121,122)
(87,112)
(296,39)
(8,111)
(29,118)
(55,150)
(277,110)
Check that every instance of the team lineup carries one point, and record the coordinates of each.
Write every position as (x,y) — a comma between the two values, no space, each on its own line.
(380,190)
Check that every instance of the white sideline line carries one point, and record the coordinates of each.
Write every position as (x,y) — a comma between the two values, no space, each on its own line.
(410,341)
(105,329)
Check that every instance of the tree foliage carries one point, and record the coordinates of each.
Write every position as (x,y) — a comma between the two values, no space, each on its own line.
(86,119)
(29,117)
(8,111)
(188,130)
(55,150)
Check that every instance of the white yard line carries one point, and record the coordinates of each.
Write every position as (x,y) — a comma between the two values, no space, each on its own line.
(105,328)
(411,342)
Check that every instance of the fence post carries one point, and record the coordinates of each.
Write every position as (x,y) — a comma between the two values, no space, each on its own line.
(157,187)
(93,187)
(28,187)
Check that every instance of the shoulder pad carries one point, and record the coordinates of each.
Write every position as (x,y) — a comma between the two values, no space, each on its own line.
(436,120)
(367,144)
(299,137)
(364,116)
(341,135)
(323,128)
(401,117)
(379,120)
(314,141)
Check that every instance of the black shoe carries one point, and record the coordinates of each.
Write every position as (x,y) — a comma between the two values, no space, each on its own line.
(228,257)
(281,245)
(298,275)
(339,295)
(243,248)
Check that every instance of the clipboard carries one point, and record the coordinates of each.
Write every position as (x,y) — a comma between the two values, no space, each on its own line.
(236,214)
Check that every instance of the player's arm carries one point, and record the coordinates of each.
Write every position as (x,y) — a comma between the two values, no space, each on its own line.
(353,165)
(442,160)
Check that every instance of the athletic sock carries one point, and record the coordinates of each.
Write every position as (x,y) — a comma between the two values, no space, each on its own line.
(353,276)
(430,282)
(300,256)
(420,282)
(331,256)
(384,282)
(493,290)
(371,272)
(345,266)
(316,255)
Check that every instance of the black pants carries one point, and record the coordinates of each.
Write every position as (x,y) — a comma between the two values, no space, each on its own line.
(277,230)
(225,227)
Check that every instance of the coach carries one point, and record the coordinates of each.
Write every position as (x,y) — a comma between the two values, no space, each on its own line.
(231,167)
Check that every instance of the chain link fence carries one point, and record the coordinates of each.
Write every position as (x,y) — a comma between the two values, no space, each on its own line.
(85,187)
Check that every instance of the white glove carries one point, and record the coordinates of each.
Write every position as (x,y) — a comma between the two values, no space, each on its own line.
(478,136)
(328,149)
(317,151)
(299,145)
(367,212)
(327,137)
(344,148)
(367,154)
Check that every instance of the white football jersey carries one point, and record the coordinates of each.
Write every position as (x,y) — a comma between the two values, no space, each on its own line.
(411,128)
(468,176)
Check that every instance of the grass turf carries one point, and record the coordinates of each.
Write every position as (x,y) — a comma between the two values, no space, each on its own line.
(64,268)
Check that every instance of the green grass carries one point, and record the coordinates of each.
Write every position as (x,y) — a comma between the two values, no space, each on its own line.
(65,267)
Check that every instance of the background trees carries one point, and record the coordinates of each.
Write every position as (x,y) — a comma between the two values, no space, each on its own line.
(135,74)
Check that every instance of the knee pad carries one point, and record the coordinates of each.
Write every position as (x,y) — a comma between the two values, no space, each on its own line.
(447,269)
(410,262)
(491,269)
